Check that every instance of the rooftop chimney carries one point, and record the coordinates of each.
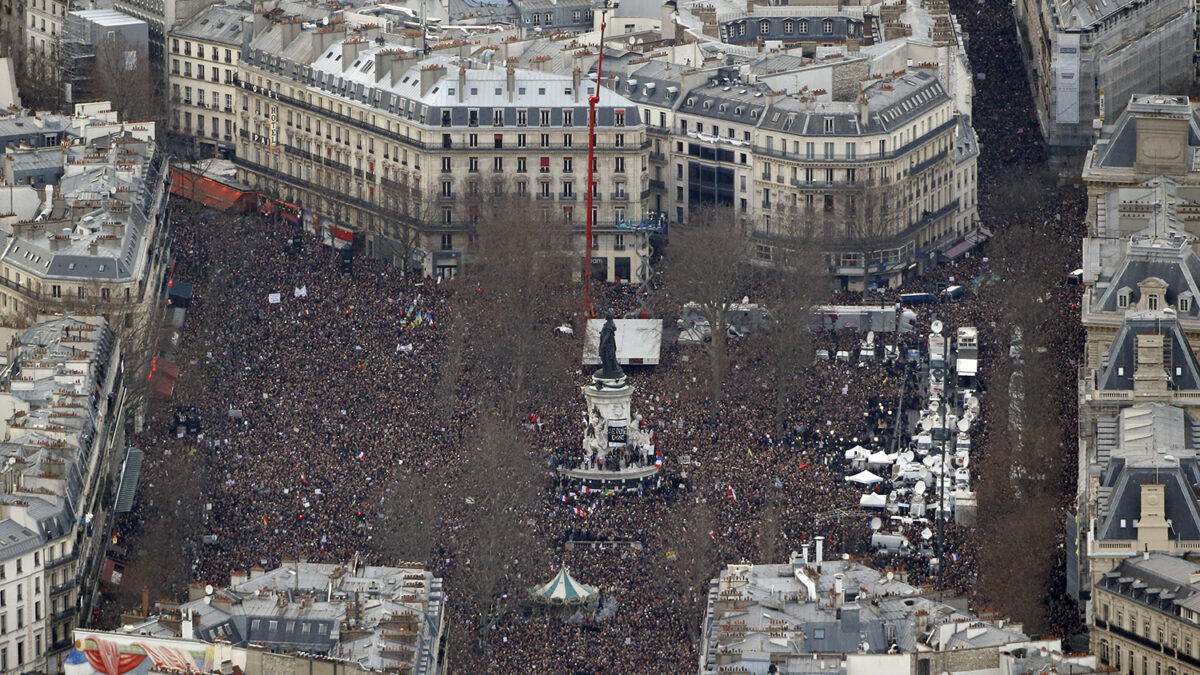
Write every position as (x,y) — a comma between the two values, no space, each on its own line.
(185,630)
(511,83)
(350,51)
(820,551)
(430,76)
(804,547)
(864,110)
(462,82)
(289,29)
(576,82)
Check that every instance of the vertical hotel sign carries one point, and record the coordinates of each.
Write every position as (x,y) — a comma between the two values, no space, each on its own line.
(1067,73)
(273,130)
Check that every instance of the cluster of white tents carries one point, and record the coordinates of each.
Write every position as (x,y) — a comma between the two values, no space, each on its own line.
(932,472)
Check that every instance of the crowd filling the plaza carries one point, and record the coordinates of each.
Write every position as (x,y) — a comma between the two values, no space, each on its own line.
(333,393)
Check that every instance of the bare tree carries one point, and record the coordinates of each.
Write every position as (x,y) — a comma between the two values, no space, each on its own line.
(707,265)
(120,73)
(500,480)
(795,283)
(409,208)
(521,273)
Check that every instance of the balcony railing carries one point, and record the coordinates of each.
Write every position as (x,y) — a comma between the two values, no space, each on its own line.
(619,197)
(55,563)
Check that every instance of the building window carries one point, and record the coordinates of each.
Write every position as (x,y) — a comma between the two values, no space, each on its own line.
(789,27)
(498,164)
(619,165)
(619,118)
(1152,303)
(473,164)
(447,242)
(521,165)
(827,25)
(803,25)
(1185,303)
(764,26)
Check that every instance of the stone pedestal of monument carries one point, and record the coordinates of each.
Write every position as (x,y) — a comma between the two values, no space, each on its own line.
(615,447)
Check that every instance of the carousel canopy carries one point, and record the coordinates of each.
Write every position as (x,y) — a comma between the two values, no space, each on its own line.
(564,590)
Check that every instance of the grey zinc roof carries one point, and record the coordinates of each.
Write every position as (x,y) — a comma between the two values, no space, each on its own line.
(217,23)
(1122,353)
(772,618)
(731,101)
(1155,580)
(656,83)
(1119,146)
(891,103)
(1167,257)
(966,142)
(1123,507)
(813,28)
(17,540)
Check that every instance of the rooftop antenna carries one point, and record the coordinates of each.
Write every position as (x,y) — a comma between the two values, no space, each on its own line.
(593,99)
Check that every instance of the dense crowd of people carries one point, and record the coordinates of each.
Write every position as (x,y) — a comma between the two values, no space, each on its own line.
(316,403)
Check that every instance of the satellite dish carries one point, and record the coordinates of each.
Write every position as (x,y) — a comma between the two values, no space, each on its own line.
(208,590)
(876,523)
(936,326)
(964,424)
(207,600)
(919,488)
(891,576)
(927,534)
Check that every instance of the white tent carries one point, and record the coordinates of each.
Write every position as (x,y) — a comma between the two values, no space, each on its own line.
(865,478)
(857,452)
(873,501)
(880,457)
(564,590)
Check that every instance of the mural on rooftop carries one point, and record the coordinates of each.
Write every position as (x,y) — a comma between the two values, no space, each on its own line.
(136,655)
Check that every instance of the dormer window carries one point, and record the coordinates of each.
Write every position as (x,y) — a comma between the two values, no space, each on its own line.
(803,25)
(1123,298)
(789,27)
(1184,302)
(1152,302)
(764,26)
(828,26)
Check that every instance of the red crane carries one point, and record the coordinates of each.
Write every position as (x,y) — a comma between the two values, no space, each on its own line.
(594,98)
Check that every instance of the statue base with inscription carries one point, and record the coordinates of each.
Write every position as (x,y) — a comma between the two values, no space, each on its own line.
(617,452)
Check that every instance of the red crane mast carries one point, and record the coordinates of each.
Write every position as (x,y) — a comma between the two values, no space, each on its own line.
(593,99)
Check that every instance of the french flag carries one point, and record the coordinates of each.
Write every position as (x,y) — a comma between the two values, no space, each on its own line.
(658,461)
(361,454)
(562,498)
(579,512)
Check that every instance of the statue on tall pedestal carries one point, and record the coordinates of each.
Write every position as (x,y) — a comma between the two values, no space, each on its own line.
(610,369)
